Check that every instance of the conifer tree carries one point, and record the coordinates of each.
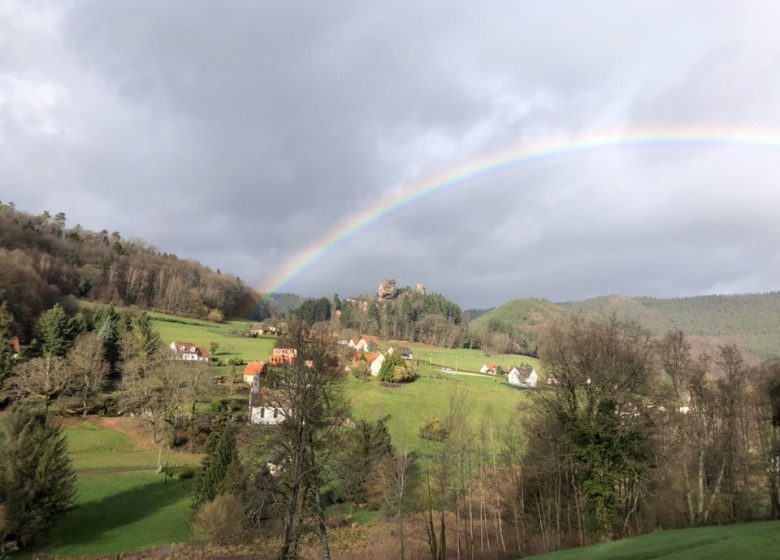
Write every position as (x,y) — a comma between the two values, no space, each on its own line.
(53,328)
(220,467)
(37,481)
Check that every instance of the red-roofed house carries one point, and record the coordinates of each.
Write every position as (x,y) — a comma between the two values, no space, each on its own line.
(188,352)
(252,369)
(365,343)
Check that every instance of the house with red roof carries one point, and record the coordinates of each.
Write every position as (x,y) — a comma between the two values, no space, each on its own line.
(365,343)
(188,352)
(252,369)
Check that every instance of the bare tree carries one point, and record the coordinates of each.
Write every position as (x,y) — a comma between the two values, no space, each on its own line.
(88,368)
(308,392)
(41,379)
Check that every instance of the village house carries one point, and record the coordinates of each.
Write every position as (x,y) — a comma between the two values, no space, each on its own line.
(282,353)
(403,351)
(373,359)
(252,369)
(366,343)
(262,409)
(525,377)
(188,352)
(488,368)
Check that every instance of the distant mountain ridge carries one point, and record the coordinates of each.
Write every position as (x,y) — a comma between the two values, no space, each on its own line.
(751,321)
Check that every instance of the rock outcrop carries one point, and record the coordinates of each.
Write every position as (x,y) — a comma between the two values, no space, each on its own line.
(386,290)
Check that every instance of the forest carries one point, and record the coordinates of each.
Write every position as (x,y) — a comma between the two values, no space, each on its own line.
(42,260)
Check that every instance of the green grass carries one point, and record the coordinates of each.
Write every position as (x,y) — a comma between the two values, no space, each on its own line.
(121,512)
(204,333)
(464,359)
(122,503)
(490,399)
(359,515)
(750,541)
(93,447)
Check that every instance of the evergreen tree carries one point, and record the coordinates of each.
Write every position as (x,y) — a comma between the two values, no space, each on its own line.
(37,481)
(220,469)
(54,331)
(106,322)
(147,338)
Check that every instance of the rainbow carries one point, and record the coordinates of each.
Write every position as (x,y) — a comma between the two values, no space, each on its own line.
(481,167)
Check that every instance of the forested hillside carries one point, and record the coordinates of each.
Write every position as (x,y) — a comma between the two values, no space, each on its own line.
(42,260)
(408,315)
(751,321)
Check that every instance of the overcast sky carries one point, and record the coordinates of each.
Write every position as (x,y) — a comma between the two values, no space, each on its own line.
(238,133)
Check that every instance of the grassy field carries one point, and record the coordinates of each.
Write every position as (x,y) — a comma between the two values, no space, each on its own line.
(490,399)
(750,541)
(122,503)
(463,359)
(203,333)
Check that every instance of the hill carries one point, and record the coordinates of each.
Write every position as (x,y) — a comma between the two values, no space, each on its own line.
(757,541)
(515,326)
(42,260)
(751,321)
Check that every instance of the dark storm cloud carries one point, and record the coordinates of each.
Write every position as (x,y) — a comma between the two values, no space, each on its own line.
(240,133)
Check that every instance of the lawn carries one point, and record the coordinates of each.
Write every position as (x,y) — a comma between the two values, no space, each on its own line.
(122,503)
(491,401)
(753,541)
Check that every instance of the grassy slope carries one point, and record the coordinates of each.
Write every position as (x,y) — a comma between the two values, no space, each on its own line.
(491,401)
(204,333)
(122,503)
(754,541)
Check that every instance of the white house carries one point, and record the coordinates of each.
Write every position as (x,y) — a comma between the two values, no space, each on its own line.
(261,411)
(488,368)
(403,351)
(525,377)
(188,352)
(265,414)
(376,364)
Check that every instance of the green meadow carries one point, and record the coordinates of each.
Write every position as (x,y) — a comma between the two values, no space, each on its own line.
(122,503)
(464,359)
(748,541)
(490,402)
(203,333)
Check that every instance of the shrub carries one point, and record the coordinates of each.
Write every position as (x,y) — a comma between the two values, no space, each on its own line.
(220,521)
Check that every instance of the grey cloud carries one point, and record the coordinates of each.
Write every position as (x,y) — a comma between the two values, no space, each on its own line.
(241,133)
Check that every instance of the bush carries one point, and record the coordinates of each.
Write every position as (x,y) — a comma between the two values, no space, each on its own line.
(396,370)
(361,370)
(220,521)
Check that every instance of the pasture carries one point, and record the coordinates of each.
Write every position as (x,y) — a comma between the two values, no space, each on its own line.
(464,359)
(754,541)
(122,502)
(203,333)
(490,402)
